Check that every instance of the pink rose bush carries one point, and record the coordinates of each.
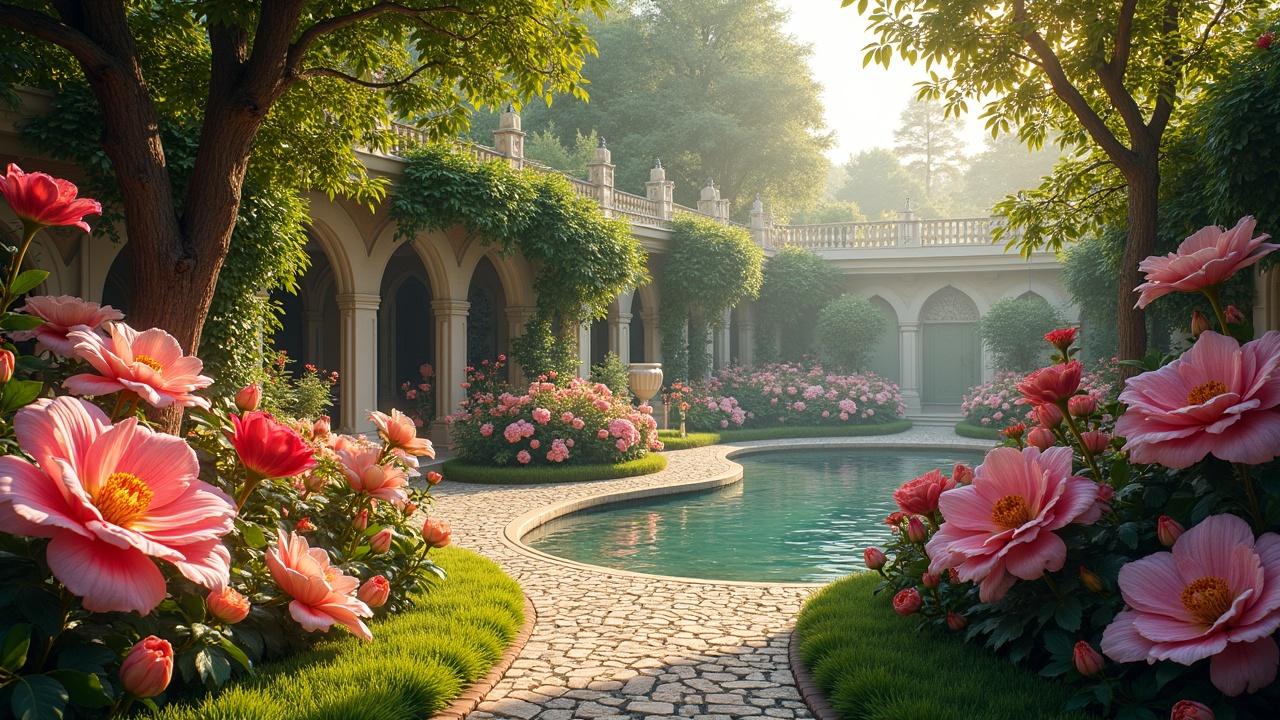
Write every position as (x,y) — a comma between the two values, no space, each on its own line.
(128,550)
(1140,518)
(548,424)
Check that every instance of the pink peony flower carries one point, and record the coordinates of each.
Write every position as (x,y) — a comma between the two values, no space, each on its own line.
(523,457)
(365,474)
(907,601)
(400,432)
(111,498)
(542,416)
(1203,260)
(1000,527)
(1051,384)
(375,591)
(1216,595)
(323,596)
(149,363)
(41,199)
(60,314)
(920,496)
(1190,710)
(1217,398)
(148,668)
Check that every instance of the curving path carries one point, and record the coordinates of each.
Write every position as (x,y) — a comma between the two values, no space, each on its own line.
(612,644)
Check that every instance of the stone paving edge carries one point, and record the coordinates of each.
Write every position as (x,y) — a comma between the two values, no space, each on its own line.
(471,697)
(812,695)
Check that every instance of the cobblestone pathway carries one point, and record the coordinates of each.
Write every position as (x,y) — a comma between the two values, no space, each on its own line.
(609,644)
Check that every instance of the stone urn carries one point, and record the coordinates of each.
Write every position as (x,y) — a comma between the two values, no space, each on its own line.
(645,380)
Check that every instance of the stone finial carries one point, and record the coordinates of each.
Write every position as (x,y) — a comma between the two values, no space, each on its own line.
(710,192)
(657,173)
(603,155)
(509,119)
(757,207)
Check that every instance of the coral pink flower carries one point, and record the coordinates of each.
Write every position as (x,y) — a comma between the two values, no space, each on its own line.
(1190,710)
(375,591)
(907,602)
(112,498)
(1216,595)
(1088,661)
(149,363)
(227,605)
(366,475)
(399,431)
(873,558)
(268,448)
(148,668)
(920,496)
(60,314)
(44,200)
(437,533)
(1217,398)
(1203,260)
(1000,528)
(1062,338)
(1051,384)
(322,595)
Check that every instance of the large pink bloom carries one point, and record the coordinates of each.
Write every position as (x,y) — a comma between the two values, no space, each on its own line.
(400,432)
(45,200)
(60,314)
(1203,260)
(366,475)
(1217,595)
(1051,384)
(1217,398)
(322,595)
(150,363)
(1000,527)
(111,498)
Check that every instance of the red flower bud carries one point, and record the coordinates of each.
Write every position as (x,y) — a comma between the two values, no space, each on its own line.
(1096,441)
(1062,338)
(1233,315)
(1041,437)
(381,541)
(7,363)
(1199,323)
(929,580)
(227,605)
(148,668)
(916,531)
(305,526)
(437,533)
(1082,405)
(434,478)
(1048,415)
(374,592)
(907,602)
(249,397)
(873,558)
(1013,432)
(1090,579)
(1088,661)
(956,621)
(962,474)
(1190,710)
(362,520)
(1168,530)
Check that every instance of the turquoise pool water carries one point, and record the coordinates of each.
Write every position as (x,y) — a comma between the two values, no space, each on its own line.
(795,517)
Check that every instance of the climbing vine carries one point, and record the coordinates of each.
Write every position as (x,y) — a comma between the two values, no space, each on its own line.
(711,268)
(582,259)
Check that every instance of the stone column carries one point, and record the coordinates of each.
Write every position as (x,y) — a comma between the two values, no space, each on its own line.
(746,341)
(910,357)
(518,316)
(358,348)
(721,341)
(661,190)
(620,335)
(451,360)
(600,173)
(508,139)
(652,335)
(584,349)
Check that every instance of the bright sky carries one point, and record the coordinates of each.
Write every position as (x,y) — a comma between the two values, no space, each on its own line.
(862,104)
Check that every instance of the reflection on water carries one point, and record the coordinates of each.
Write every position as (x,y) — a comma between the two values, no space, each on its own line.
(796,517)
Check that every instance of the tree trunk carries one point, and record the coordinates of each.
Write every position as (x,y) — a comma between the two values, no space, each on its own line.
(1143,206)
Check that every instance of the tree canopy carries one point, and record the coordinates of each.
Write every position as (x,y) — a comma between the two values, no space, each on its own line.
(928,144)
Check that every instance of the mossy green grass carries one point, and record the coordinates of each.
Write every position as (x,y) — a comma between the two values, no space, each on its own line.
(457,470)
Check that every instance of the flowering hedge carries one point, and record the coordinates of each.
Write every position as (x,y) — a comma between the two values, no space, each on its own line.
(1137,558)
(128,552)
(995,404)
(580,423)
(785,395)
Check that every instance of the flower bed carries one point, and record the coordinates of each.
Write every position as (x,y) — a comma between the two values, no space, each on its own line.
(784,395)
(580,423)
(1131,549)
(461,471)
(129,552)
(994,405)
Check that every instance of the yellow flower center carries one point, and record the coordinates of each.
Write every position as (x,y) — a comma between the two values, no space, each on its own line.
(1011,511)
(122,498)
(1207,599)
(148,361)
(1204,392)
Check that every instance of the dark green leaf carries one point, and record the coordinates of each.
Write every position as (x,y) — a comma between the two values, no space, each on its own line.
(1068,613)
(230,648)
(26,280)
(88,658)
(213,667)
(13,652)
(85,689)
(18,321)
(19,393)
(37,697)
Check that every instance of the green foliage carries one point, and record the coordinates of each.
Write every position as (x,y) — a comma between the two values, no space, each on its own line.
(976,432)
(458,470)
(287,393)
(544,146)
(927,142)
(671,439)
(1013,331)
(1089,273)
(584,259)
(797,284)
(868,662)
(848,329)
(449,640)
(709,269)
(877,182)
(613,374)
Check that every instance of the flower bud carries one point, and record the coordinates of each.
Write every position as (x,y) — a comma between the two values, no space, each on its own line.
(962,474)
(1168,530)
(1041,437)
(148,668)
(907,602)
(1096,441)
(1190,710)
(929,580)
(434,478)
(1233,315)
(956,621)
(437,533)
(1090,579)
(873,558)
(1015,431)
(375,591)
(1088,661)
(322,426)
(7,363)
(1199,323)
(249,397)
(410,508)
(227,605)
(1082,406)
(381,541)
(304,526)
(916,531)
(362,520)
(1048,415)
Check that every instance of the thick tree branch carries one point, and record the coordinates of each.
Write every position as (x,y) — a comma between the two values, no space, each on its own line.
(1165,98)
(321,28)
(49,29)
(1124,38)
(334,73)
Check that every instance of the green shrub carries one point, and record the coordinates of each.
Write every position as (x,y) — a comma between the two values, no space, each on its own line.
(613,374)
(797,283)
(458,470)
(1013,331)
(308,395)
(848,329)
(455,634)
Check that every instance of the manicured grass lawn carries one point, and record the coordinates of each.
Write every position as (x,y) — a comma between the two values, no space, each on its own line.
(458,471)
(872,665)
(672,440)
(964,429)
(417,663)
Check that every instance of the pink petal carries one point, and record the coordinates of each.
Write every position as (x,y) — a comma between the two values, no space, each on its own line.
(1030,560)
(1268,599)
(311,619)
(1122,642)
(1205,550)
(1254,440)
(1245,667)
(33,499)
(1153,585)
(206,563)
(64,428)
(108,579)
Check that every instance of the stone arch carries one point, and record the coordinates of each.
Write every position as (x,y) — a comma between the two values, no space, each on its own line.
(949,305)
(886,356)
(329,226)
(406,336)
(1033,295)
(951,354)
(487,329)
(310,326)
(44,254)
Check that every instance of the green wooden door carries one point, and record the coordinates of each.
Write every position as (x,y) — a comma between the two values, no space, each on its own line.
(884,357)
(952,362)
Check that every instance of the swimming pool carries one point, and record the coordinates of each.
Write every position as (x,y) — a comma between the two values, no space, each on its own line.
(795,517)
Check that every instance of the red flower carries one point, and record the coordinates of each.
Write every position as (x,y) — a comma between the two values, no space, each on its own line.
(1041,437)
(1088,661)
(268,448)
(45,200)
(148,668)
(227,605)
(1015,431)
(873,558)
(956,621)
(961,474)
(1062,338)
(907,602)
(916,531)
(920,496)
(1266,39)
(1190,709)
(1051,384)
